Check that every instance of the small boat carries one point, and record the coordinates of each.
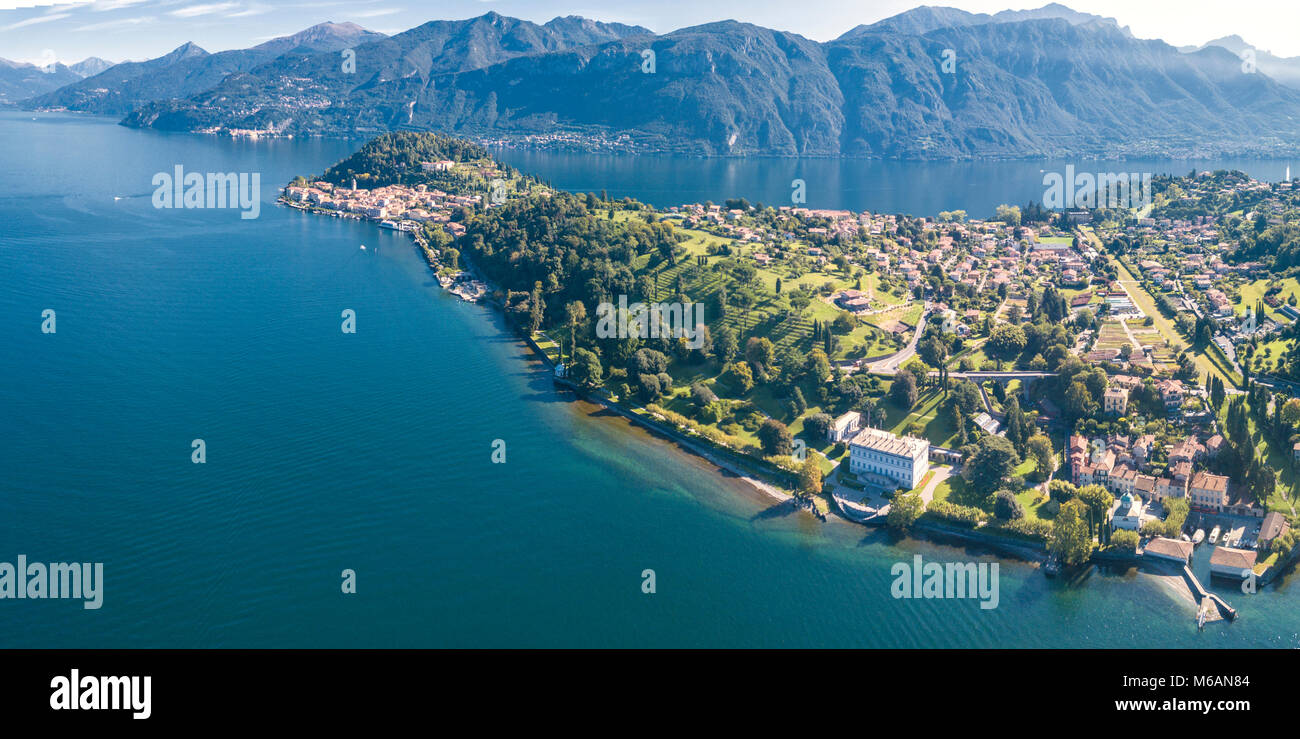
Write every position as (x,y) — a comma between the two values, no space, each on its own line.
(1186,537)
(1052,567)
(1214,535)
(363,247)
(1199,536)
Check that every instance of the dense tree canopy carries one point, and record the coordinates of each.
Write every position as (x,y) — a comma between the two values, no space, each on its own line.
(572,251)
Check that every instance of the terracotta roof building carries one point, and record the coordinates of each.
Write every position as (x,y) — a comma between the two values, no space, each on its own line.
(1274,525)
(1168,549)
(1234,563)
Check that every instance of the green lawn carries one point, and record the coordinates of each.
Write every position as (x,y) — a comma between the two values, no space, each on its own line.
(1252,293)
(953,490)
(1268,356)
(980,359)
(548,346)
(935,425)
(1029,500)
(1279,459)
(871,283)
(865,341)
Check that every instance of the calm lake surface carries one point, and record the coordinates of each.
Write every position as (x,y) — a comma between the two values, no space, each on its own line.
(371,451)
(915,188)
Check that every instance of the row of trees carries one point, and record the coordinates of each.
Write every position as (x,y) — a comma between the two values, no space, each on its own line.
(1241,459)
(1083,515)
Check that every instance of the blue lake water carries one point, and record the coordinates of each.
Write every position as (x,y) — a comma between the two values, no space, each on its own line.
(372,451)
(914,188)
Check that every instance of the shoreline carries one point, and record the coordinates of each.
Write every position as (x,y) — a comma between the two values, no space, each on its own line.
(766,488)
(571,144)
(689,446)
(934,532)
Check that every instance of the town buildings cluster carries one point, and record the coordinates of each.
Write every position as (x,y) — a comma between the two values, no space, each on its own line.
(1124,466)
(401,207)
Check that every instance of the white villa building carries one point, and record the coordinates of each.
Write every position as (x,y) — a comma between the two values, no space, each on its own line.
(903,460)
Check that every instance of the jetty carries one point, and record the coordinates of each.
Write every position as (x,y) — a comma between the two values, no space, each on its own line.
(1210,606)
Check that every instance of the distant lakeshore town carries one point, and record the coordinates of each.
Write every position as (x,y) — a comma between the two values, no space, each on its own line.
(1105,385)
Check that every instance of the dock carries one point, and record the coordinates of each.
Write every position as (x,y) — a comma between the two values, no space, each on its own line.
(1207,601)
(859,513)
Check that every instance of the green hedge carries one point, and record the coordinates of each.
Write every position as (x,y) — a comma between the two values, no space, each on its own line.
(1031,528)
(959,514)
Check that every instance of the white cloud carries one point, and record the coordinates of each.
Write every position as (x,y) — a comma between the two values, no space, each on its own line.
(120,23)
(99,6)
(33,21)
(204,9)
(376,13)
(250,11)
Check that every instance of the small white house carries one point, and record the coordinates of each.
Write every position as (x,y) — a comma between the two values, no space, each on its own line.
(844,427)
(1128,512)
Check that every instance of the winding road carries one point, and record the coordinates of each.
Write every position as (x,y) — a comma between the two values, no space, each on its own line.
(889,365)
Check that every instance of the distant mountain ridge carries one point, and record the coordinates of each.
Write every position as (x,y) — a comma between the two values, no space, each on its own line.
(389,74)
(90,66)
(926,18)
(19,80)
(1283,69)
(189,69)
(328,36)
(1045,82)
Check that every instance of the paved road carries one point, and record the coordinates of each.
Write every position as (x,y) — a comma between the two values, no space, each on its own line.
(940,474)
(1229,351)
(1277,384)
(1008,375)
(988,403)
(889,365)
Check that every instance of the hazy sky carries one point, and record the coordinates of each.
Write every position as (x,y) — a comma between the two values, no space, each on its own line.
(140,29)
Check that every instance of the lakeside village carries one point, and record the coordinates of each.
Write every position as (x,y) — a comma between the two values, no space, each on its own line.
(1069,387)
(405,209)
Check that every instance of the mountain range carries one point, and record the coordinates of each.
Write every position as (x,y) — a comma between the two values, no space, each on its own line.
(928,18)
(188,70)
(927,83)
(1283,69)
(310,94)
(20,80)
